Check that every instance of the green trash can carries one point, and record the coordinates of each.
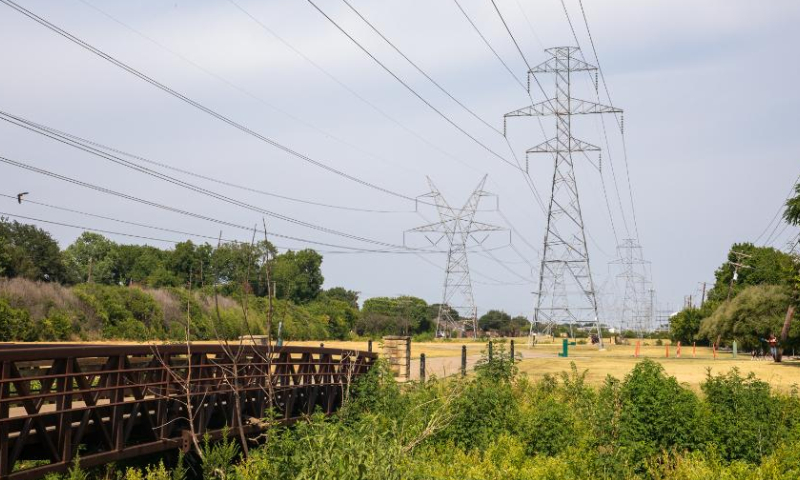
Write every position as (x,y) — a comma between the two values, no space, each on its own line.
(564,348)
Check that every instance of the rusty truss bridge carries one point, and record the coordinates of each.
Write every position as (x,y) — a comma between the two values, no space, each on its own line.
(112,402)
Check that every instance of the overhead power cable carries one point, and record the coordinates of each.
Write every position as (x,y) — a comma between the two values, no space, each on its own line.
(189,186)
(408,87)
(343,85)
(125,196)
(489,45)
(778,213)
(616,118)
(27,200)
(196,104)
(420,70)
(92,143)
(243,90)
(443,90)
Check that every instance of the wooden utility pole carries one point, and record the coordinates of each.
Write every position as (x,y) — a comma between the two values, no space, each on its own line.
(703,297)
(736,266)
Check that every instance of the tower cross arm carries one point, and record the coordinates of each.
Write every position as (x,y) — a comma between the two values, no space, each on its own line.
(484,227)
(557,64)
(551,107)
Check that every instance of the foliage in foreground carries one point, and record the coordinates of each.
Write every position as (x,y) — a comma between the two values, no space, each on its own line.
(498,425)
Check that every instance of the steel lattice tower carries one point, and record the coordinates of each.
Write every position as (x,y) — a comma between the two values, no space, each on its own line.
(566,290)
(636,310)
(457,226)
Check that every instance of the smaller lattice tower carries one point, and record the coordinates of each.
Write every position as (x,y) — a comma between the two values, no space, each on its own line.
(456,226)
(636,311)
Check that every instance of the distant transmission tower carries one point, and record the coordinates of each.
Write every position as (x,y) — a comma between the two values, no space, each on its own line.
(458,227)
(566,290)
(636,307)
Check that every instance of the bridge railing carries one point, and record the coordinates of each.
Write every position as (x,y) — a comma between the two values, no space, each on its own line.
(110,402)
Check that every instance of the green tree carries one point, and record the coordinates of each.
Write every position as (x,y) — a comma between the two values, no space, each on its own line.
(91,257)
(519,326)
(404,315)
(340,315)
(298,275)
(29,252)
(752,315)
(495,320)
(765,266)
(341,293)
(792,212)
(190,261)
(232,263)
(684,326)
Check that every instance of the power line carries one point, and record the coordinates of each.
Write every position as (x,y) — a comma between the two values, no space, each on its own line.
(618,120)
(420,70)
(343,85)
(92,143)
(778,213)
(239,88)
(125,196)
(408,87)
(196,104)
(175,181)
(499,58)
(27,200)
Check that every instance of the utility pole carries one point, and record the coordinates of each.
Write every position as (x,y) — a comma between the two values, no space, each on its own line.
(703,296)
(566,288)
(736,266)
(458,227)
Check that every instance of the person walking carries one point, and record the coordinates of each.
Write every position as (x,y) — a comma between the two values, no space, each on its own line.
(773,346)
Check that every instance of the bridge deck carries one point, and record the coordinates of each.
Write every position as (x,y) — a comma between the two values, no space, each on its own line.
(110,402)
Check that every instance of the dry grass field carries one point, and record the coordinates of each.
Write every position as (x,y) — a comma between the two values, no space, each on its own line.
(615,360)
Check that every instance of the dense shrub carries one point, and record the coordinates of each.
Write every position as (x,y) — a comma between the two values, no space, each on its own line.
(496,425)
(744,417)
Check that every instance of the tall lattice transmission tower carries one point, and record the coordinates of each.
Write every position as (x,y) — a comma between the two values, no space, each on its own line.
(458,227)
(566,291)
(636,313)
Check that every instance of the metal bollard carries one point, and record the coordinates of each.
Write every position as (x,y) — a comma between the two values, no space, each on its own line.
(463,360)
(369,345)
(491,356)
(422,367)
(408,359)
(512,350)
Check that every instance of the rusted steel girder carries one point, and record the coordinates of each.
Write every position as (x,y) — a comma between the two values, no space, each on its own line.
(111,402)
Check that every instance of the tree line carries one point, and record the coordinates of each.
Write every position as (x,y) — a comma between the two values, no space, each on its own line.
(754,296)
(119,289)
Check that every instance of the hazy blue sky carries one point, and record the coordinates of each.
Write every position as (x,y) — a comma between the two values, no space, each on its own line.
(709,91)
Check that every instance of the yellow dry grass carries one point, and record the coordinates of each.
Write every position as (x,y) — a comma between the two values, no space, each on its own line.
(615,360)
(619,360)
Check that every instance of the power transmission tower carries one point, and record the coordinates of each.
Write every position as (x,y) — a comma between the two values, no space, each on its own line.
(566,291)
(458,227)
(635,314)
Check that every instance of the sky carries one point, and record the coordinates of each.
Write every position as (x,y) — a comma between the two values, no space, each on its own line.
(710,147)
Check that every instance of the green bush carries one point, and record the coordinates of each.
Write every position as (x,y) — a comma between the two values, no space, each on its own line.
(656,413)
(744,417)
(15,324)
